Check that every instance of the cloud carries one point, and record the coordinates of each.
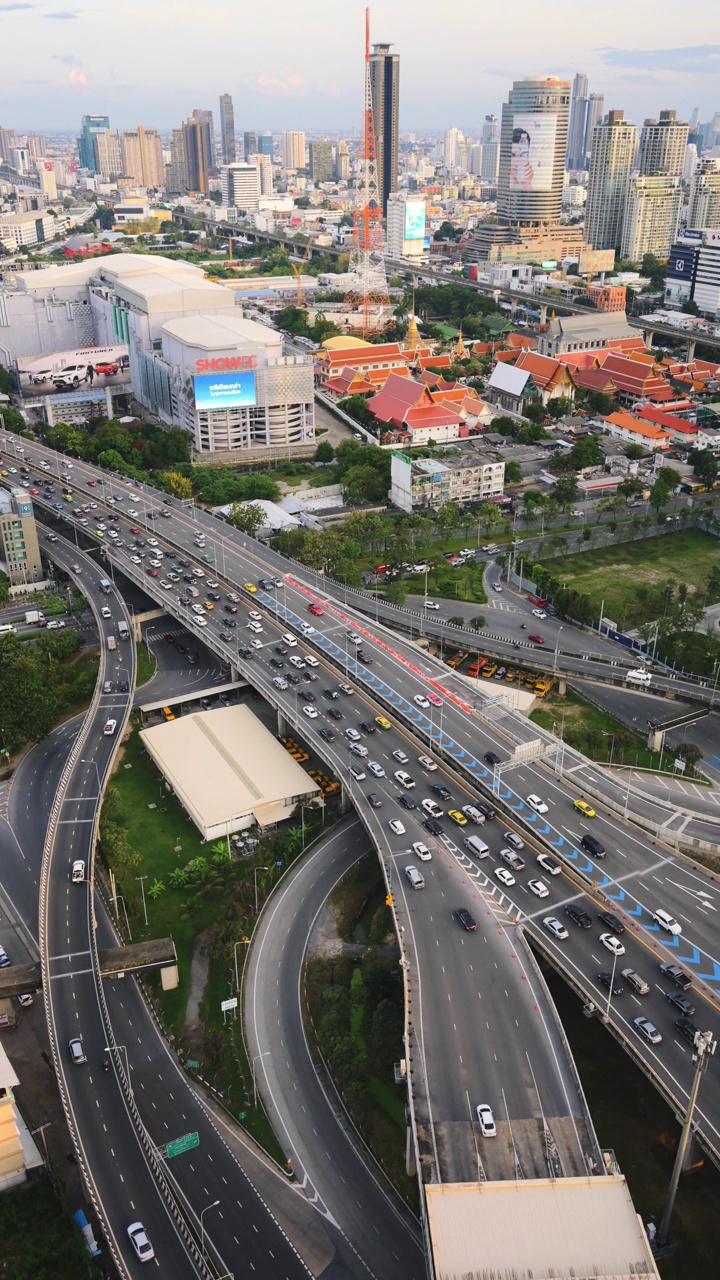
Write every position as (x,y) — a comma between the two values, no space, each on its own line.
(9,8)
(702,59)
(67,59)
(77,77)
(291,87)
(62,16)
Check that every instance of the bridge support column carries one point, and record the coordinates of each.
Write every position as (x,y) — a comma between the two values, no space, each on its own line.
(282,724)
(234,674)
(649,337)
(562,685)
(410,1166)
(690,351)
(543,314)
(345,801)
(655,739)
(513,307)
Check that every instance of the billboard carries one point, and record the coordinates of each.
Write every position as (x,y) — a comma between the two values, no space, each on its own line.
(225,391)
(414,219)
(81,369)
(532,152)
(591,261)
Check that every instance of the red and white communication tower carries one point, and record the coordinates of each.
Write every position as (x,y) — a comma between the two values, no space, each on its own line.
(366,258)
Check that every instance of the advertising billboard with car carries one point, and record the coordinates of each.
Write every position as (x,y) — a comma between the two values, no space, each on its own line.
(73,370)
(532,151)
(225,391)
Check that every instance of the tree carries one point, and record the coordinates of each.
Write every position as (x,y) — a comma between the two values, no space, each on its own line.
(601,403)
(632,487)
(364,484)
(565,491)
(478,622)
(324,452)
(690,753)
(248,517)
(105,217)
(179,485)
(448,519)
(513,473)
(584,453)
(635,452)
(489,518)
(534,413)
(559,406)
(356,407)
(396,591)
(704,465)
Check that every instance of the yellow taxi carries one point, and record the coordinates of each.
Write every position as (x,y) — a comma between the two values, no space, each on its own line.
(382,723)
(208,604)
(457,817)
(584,808)
(249,587)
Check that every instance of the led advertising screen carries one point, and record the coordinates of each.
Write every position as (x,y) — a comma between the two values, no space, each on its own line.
(225,391)
(414,219)
(78,370)
(532,152)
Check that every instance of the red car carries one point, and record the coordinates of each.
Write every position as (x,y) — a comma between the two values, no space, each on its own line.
(92,484)
(135,531)
(538,639)
(315,608)
(35,492)
(106,368)
(153,573)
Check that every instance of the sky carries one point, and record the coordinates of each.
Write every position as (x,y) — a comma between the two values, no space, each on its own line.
(298,64)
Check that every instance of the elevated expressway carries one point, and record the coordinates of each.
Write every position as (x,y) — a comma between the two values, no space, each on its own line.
(532,1070)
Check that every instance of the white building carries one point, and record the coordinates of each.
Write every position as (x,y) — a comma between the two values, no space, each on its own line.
(652,217)
(426,483)
(405,225)
(241,185)
(33,227)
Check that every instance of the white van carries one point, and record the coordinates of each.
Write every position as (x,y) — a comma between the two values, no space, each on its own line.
(413,875)
(639,677)
(476,846)
(473,814)
(666,921)
(280,682)
(289,640)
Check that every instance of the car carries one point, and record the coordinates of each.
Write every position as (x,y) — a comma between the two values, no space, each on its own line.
(192,658)
(680,1001)
(307,696)
(346,689)
(430,604)
(404,779)
(214,595)
(431,807)
(310,712)
(491,758)
(666,921)
(686,1029)
(612,944)
(457,817)
(555,928)
(579,916)
(383,723)
(611,921)
(258,644)
(676,975)
(168,638)
(138,1238)
(615,987)
(352,735)
(397,827)
(334,713)
(503,875)
(249,587)
(76,1051)
(486,1120)
(277,663)
(537,804)
(110,727)
(440,790)
(647,1030)
(25,1001)
(462,915)
(548,864)
(539,888)
(374,800)
(152,573)
(230,608)
(539,613)
(514,841)
(367,726)
(583,807)
(420,700)
(401,757)
(536,638)
(327,735)
(226,635)
(363,657)
(4,958)
(354,638)
(107,367)
(496,586)
(375,769)
(315,608)
(136,532)
(421,851)
(427,763)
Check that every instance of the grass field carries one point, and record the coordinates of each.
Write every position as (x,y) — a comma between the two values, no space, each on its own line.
(623,575)
(594,732)
(145,664)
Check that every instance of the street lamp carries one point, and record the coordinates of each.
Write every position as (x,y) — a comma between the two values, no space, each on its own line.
(109,1048)
(97,771)
(142,880)
(214,1205)
(612,984)
(266,1054)
(255,871)
(611,736)
(705,1047)
(557,645)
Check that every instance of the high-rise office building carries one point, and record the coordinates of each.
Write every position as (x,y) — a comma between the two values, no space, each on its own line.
(475,158)
(8,140)
(490,160)
(533,142)
(90,127)
(240,185)
(19,546)
(405,225)
(265,144)
(250,145)
(662,147)
(454,140)
(490,129)
(691,161)
(197,159)
(108,160)
(142,156)
(205,119)
(293,150)
(652,216)
(612,148)
(20,159)
(385,89)
(321,161)
(264,168)
(176,172)
(36,145)
(342,161)
(703,211)
(227,128)
(595,109)
(46,174)
(577,128)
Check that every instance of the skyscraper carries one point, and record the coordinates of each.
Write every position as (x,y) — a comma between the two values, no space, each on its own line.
(176,172)
(263,165)
(490,160)
(205,119)
(490,129)
(577,128)
(533,142)
(662,147)
(142,156)
(8,140)
(704,203)
(652,216)
(293,150)
(240,185)
(321,161)
(595,108)
(453,139)
(197,160)
(90,126)
(227,128)
(612,148)
(385,89)
(250,145)
(108,160)
(265,144)
(342,161)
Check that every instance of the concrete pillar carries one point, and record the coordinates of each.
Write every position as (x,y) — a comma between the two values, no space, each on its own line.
(513,306)
(108,403)
(282,724)
(543,313)
(649,337)
(690,351)
(410,1166)
(234,674)
(655,739)
(562,685)
(345,801)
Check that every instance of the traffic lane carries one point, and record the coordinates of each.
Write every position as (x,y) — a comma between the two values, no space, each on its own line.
(322,1154)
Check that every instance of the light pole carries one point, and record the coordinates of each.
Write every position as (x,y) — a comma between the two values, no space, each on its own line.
(557,646)
(257,1057)
(108,1049)
(214,1205)
(142,880)
(705,1047)
(611,736)
(255,871)
(612,984)
(97,771)
(244,942)
(118,896)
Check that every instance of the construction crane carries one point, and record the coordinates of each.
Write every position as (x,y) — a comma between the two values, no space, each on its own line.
(298,270)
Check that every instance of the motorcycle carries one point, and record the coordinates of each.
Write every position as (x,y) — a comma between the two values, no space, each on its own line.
(105,1063)
(523,626)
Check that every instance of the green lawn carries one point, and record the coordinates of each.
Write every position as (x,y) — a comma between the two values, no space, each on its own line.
(594,732)
(145,664)
(628,576)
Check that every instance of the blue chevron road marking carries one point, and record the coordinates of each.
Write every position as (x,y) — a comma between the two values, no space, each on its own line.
(637,910)
(618,895)
(544,831)
(711,977)
(560,840)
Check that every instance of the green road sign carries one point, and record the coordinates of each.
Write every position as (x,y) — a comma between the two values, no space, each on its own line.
(192,1063)
(186,1143)
(242,1115)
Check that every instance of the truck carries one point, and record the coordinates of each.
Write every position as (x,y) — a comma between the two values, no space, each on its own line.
(34,615)
(123,630)
(491,549)
(105,585)
(111,643)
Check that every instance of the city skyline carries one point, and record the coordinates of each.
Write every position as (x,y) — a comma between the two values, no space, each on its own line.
(312,73)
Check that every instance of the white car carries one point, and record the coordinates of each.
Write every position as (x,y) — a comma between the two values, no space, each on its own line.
(555,928)
(396,826)
(503,875)
(539,613)
(199,622)
(376,769)
(77,1053)
(348,689)
(537,804)
(256,617)
(138,1238)
(538,888)
(420,700)
(548,864)
(156,564)
(432,808)
(110,727)
(399,755)
(496,586)
(197,608)
(430,604)
(152,542)
(647,1030)
(421,851)
(486,1120)
(166,586)
(256,644)
(404,779)
(352,735)
(612,943)
(354,638)
(310,712)
(427,763)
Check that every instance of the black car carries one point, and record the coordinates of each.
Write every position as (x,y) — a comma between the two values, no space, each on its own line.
(192,658)
(244,652)
(334,714)
(277,663)
(579,916)
(441,791)
(230,622)
(465,919)
(167,502)
(206,704)
(327,735)
(486,810)
(281,649)
(686,1029)
(184,564)
(180,648)
(491,758)
(407,802)
(375,800)
(226,635)
(331,693)
(680,1002)
(309,677)
(305,694)
(367,726)
(611,921)
(214,595)
(606,980)
(188,577)
(267,584)
(676,975)
(230,608)
(123,686)
(292,678)
(362,657)
(433,826)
